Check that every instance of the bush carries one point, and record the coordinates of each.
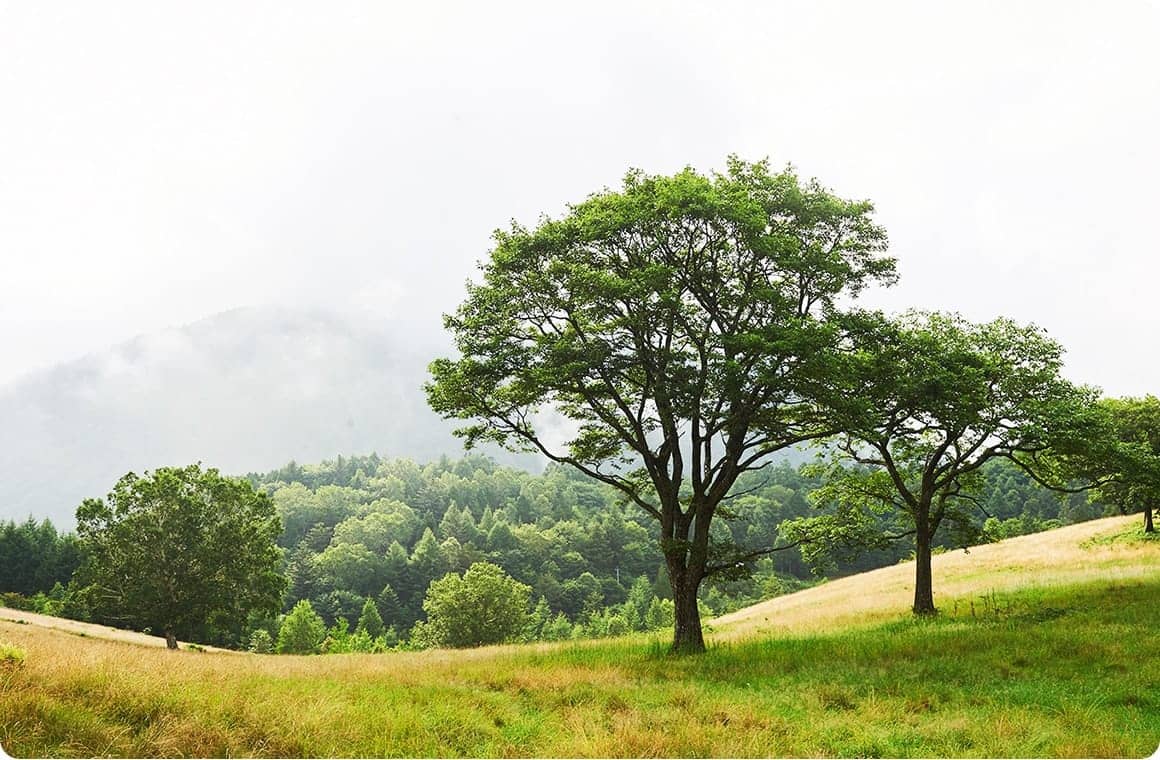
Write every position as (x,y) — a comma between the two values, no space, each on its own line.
(661,613)
(16,601)
(11,657)
(261,642)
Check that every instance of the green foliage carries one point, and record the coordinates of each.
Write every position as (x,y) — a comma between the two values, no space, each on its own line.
(302,631)
(11,657)
(483,606)
(660,614)
(1128,464)
(940,398)
(34,556)
(261,642)
(680,316)
(370,621)
(179,550)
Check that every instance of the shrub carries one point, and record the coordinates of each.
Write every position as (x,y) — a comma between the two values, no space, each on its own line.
(11,657)
(660,614)
(261,642)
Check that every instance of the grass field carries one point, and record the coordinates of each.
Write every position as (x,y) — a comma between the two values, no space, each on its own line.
(1029,658)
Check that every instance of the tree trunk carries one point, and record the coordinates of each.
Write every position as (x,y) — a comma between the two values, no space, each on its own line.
(923,586)
(687,636)
(1148,526)
(170,639)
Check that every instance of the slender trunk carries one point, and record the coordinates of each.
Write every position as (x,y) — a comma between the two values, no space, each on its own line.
(1148,526)
(170,638)
(923,586)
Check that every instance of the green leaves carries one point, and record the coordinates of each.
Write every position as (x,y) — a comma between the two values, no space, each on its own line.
(686,307)
(686,325)
(179,548)
(483,606)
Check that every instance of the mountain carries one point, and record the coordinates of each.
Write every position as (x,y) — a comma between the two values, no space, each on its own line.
(245,390)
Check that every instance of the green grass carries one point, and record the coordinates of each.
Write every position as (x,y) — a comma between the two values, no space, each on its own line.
(1064,671)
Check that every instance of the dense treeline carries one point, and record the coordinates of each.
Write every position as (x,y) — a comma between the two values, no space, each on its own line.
(34,557)
(368,529)
(365,527)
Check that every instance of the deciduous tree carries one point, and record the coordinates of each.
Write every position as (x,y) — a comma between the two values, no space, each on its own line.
(684,325)
(483,606)
(180,549)
(940,398)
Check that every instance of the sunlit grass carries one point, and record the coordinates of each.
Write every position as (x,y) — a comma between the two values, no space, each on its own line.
(1052,669)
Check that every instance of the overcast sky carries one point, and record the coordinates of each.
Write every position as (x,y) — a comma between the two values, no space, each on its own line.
(160,162)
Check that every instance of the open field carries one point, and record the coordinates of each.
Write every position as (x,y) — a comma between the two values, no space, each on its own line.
(1049,645)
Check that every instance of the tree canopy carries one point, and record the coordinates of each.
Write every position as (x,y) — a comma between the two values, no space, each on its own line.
(1129,468)
(683,325)
(483,606)
(180,548)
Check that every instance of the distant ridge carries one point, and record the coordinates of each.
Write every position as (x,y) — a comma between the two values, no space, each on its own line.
(244,390)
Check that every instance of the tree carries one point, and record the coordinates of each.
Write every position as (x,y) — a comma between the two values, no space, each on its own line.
(684,325)
(302,632)
(942,397)
(1130,466)
(179,550)
(483,606)
(370,621)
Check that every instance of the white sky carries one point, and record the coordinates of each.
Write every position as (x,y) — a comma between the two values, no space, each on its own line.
(161,161)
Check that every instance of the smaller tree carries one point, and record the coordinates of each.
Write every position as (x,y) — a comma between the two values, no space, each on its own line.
(302,631)
(370,621)
(483,606)
(941,398)
(261,642)
(1130,466)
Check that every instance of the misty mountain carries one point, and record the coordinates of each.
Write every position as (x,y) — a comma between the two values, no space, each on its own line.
(245,390)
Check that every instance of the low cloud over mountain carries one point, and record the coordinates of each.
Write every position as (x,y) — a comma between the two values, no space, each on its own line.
(244,390)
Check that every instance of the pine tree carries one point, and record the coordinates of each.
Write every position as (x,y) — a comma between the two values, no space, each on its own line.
(302,631)
(370,621)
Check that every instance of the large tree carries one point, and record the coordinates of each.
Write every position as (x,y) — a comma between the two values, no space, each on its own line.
(941,397)
(180,550)
(684,326)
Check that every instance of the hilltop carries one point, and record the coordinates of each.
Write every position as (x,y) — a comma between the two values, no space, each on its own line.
(1047,645)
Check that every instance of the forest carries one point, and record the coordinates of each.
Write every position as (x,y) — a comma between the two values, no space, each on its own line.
(365,529)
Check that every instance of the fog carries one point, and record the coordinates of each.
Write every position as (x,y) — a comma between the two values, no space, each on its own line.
(163,163)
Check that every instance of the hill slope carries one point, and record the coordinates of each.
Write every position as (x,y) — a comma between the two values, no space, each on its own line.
(1071,554)
(1067,666)
(246,390)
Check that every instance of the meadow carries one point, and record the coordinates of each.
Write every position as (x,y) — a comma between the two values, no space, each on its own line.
(1047,645)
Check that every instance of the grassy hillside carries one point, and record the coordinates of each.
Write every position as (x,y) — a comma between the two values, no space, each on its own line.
(1054,652)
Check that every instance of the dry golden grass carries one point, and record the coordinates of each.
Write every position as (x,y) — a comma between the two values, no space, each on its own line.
(1052,558)
(1072,671)
(8,614)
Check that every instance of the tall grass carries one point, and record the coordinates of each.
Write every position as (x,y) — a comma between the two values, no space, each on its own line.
(1047,646)
(1070,671)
